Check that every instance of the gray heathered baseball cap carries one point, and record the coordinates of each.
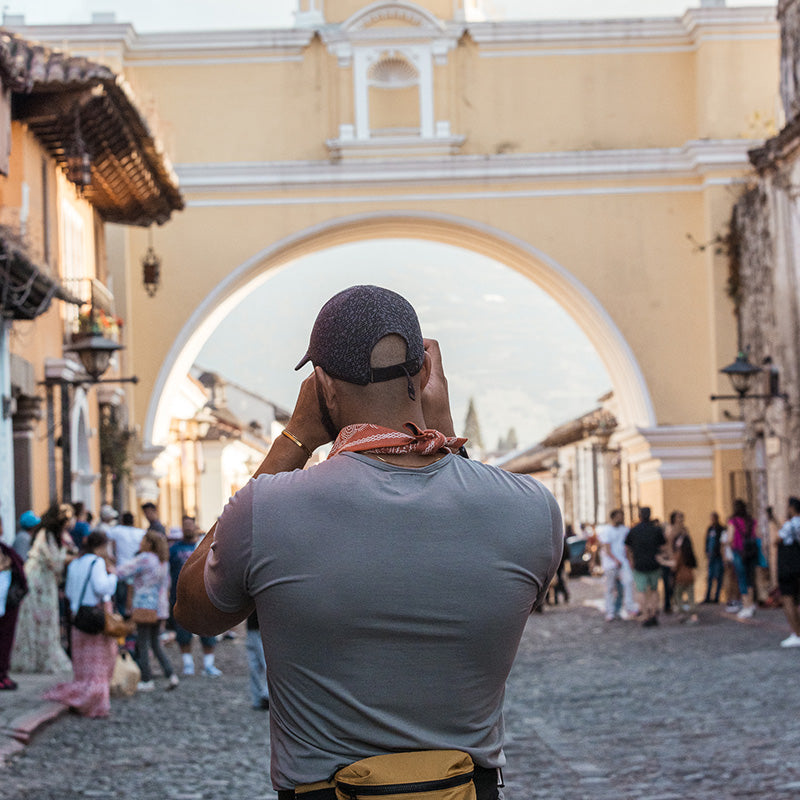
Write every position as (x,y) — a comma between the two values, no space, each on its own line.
(351,323)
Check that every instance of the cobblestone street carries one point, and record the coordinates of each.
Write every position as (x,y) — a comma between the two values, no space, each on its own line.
(594,710)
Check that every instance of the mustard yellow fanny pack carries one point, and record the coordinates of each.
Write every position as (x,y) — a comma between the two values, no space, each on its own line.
(428,775)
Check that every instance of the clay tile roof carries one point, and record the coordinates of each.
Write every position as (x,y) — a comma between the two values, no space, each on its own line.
(132,179)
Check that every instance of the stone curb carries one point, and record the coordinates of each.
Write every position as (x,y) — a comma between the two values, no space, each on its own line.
(16,735)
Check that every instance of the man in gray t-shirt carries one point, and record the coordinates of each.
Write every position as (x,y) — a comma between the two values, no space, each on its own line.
(394,580)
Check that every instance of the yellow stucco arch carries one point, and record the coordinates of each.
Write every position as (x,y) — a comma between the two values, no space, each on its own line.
(636,408)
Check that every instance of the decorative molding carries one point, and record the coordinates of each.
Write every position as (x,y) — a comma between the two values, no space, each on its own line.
(389,146)
(110,395)
(581,36)
(151,49)
(62,369)
(394,9)
(678,452)
(687,31)
(695,160)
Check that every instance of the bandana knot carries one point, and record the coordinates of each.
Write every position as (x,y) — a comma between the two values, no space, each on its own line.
(365,437)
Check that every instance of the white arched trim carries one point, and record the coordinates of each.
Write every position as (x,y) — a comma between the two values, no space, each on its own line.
(636,408)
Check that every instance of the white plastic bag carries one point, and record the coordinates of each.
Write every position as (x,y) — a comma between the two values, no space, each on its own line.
(126,675)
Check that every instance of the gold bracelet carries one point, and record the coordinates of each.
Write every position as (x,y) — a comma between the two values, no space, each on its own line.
(294,439)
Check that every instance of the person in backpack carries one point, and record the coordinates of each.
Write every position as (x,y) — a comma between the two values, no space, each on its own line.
(744,546)
(788,547)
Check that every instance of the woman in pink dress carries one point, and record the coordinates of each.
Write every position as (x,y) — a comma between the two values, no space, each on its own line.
(90,581)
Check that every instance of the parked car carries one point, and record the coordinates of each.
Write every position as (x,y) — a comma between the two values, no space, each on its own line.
(580,559)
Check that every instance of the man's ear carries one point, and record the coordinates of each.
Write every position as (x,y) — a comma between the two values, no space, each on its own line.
(425,371)
(327,386)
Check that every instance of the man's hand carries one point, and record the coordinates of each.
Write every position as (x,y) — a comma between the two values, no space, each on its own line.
(306,421)
(435,397)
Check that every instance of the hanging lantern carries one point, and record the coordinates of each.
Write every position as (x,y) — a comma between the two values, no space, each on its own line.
(79,162)
(151,271)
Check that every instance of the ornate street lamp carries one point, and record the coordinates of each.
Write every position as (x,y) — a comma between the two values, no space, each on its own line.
(95,353)
(741,373)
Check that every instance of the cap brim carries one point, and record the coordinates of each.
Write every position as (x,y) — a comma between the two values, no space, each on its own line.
(306,359)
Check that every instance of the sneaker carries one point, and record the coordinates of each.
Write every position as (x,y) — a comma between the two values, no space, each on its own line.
(610,617)
(188,669)
(7,685)
(145,686)
(212,672)
(173,681)
(791,641)
(733,607)
(747,612)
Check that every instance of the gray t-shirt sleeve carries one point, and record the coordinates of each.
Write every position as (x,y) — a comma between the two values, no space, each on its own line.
(228,563)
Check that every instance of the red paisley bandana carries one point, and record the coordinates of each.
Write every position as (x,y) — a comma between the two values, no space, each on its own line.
(375,439)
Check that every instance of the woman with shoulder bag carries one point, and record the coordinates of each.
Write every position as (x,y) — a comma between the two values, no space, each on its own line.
(90,582)
(149,569)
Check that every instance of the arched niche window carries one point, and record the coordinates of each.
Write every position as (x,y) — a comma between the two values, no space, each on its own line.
(394,97)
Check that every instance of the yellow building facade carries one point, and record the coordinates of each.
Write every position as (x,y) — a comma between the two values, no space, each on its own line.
(589,156)
(75,153)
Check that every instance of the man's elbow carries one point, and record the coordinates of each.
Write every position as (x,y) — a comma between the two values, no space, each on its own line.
(183,616)
(188,610)
(198,615)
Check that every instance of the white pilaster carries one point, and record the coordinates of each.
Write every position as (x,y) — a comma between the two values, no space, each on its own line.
(361,63)
(425,71)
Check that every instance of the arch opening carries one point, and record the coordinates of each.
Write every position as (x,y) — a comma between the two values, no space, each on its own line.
(635,405)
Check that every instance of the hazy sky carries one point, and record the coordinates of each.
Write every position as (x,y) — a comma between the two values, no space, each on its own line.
(198,14)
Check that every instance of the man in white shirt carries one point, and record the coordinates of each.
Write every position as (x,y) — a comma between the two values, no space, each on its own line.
(125,540)
(616,569)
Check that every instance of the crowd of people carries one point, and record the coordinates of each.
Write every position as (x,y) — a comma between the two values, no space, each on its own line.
(63,561)
(651,568)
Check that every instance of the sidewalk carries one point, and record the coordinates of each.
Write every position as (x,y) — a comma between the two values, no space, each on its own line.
(23,712)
